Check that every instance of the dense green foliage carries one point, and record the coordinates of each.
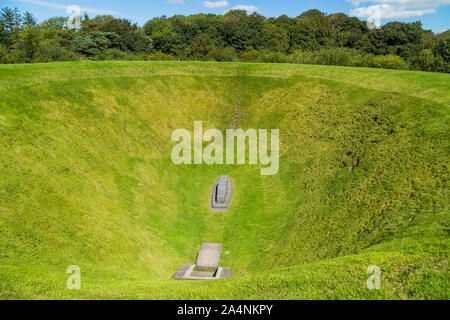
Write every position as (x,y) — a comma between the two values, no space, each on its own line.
(86,179)
(310,38)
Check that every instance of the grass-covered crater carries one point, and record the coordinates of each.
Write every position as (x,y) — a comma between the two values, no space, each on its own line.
(86,179)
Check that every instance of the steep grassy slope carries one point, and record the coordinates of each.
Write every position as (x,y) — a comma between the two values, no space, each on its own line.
(86,179)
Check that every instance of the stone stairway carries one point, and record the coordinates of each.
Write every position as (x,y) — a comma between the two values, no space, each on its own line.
(206,266)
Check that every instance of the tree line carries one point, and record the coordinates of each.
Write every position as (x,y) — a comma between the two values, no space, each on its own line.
(311,38)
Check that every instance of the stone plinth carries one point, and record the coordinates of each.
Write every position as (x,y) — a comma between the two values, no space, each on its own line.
(221,194)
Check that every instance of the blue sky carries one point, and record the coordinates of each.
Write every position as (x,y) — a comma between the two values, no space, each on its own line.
(434,14)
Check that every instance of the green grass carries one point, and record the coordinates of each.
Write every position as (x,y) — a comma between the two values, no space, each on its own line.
(86,179)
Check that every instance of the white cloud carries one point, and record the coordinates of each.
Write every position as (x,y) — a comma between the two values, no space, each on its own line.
(249,9)
(59,6)
(394,9)
(411,4)
(64,7)
(216,4)
(44,4)
(386,11)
